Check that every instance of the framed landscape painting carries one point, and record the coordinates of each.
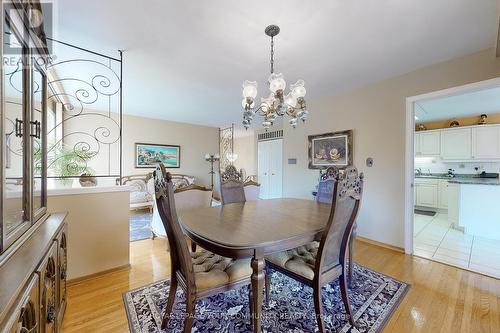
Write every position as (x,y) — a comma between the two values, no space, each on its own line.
(149,155)
(330,149)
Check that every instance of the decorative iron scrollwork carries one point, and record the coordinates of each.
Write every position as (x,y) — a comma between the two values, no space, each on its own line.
(350,183)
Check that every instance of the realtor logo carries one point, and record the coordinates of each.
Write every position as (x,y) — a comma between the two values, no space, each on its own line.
(28,27)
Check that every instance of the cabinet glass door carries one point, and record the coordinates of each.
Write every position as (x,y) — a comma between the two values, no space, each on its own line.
(38,137)
(15,102)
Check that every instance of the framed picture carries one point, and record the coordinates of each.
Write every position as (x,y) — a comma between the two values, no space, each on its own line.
(330,149)
(149,155)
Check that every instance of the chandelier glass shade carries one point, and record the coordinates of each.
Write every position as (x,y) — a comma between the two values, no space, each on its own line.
(277,104)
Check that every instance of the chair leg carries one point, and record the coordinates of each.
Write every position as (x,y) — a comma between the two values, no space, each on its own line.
(153,235)
(351,251)
(250,297)
(193,246)
(268,286)
(345,299)
(190,310)
(318,306)
(170,302)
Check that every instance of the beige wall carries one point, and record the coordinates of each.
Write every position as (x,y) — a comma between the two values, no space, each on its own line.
(245,148)
(195,142)
(98,231)
(376,113)
(493,118)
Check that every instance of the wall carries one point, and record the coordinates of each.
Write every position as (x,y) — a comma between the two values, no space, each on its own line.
(376,113)
(493,118)
(195,142)
(247,154)
(98,230)
(436,165)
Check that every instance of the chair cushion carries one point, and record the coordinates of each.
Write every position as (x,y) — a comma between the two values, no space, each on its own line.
(300,260)
(139,197)
(212,270)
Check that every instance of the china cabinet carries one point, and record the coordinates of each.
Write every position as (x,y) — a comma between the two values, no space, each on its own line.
(33,243)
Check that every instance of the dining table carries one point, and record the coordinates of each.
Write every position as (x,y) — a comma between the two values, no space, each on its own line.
(253,229)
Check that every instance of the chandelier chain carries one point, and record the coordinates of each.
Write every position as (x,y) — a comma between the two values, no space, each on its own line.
(272,55)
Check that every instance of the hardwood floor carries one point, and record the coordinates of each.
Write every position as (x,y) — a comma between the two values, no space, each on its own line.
(441,299)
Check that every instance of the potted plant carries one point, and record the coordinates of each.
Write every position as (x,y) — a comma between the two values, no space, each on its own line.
(66,163)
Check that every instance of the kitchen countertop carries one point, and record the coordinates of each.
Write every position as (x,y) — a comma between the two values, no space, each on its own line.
(465,179)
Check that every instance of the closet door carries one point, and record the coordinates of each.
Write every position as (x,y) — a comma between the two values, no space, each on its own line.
(276,169)
(263,168)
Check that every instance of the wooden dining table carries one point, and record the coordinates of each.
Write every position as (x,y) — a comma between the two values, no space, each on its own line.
(254,229)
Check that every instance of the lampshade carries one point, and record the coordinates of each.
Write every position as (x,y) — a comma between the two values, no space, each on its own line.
(250,89)
(298,89)
(291,100)
(276,82)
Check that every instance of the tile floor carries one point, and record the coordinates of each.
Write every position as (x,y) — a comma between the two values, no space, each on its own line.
(433,238)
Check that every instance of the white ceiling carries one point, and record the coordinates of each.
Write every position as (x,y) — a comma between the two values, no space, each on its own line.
(473,103)
(185,60)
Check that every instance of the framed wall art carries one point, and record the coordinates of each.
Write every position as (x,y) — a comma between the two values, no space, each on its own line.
(149,155)
(330,149)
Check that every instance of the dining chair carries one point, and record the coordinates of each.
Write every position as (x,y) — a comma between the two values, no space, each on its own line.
(320,263)
(231,186)
(199,274)
(325,195)
(252,190)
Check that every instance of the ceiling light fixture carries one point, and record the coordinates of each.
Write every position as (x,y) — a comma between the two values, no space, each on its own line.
(277,104)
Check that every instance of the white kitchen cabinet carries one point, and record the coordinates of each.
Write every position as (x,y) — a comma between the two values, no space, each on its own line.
(443,194)
(428,143)
(426,192)
(456,144)
(486,142)
(453,203)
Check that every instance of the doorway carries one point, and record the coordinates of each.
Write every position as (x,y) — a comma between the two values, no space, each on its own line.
(270,168)
(452,159)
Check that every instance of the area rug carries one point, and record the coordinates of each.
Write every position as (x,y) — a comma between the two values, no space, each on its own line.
(374,297)
(139,225)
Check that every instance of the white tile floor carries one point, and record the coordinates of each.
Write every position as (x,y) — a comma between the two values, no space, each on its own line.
(433,238)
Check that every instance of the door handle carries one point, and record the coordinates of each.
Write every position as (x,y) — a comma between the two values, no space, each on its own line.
(37,129)
(19,127)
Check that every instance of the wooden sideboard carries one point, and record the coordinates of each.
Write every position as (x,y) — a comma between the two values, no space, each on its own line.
(33,281)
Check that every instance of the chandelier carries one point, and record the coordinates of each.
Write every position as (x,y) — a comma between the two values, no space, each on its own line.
(277,104)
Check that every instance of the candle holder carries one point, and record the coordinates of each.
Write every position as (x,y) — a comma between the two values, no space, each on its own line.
(212,158)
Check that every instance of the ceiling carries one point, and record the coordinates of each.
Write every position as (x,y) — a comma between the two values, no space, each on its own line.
(186,60)
(473,103)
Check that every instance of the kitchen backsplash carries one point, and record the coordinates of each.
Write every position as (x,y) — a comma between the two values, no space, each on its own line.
(435,165)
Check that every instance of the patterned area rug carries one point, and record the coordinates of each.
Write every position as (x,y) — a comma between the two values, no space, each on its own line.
(139,225)
(374,297)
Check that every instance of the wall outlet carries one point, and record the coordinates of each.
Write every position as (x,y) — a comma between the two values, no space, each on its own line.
(461,166)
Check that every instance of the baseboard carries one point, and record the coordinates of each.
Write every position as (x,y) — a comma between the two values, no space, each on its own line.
(377,243)
(98,274)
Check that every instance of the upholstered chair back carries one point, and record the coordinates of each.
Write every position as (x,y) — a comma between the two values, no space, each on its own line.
(347,193)
(192,196)
(252,190)
(165,203)
(326,185)
(231,186)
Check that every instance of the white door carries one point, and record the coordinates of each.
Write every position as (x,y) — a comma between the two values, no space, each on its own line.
(430,143)
(263,168)
(486,142)
(456,144)
(270,168)
(276,169)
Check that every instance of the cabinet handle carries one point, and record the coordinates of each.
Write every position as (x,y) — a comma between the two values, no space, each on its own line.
(37,129)
(19,127)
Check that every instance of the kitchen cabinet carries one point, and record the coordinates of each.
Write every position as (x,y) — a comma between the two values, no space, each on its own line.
(426,192)
(443,194)
(428,143)
(486,142)
(456,144)
(453,204)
